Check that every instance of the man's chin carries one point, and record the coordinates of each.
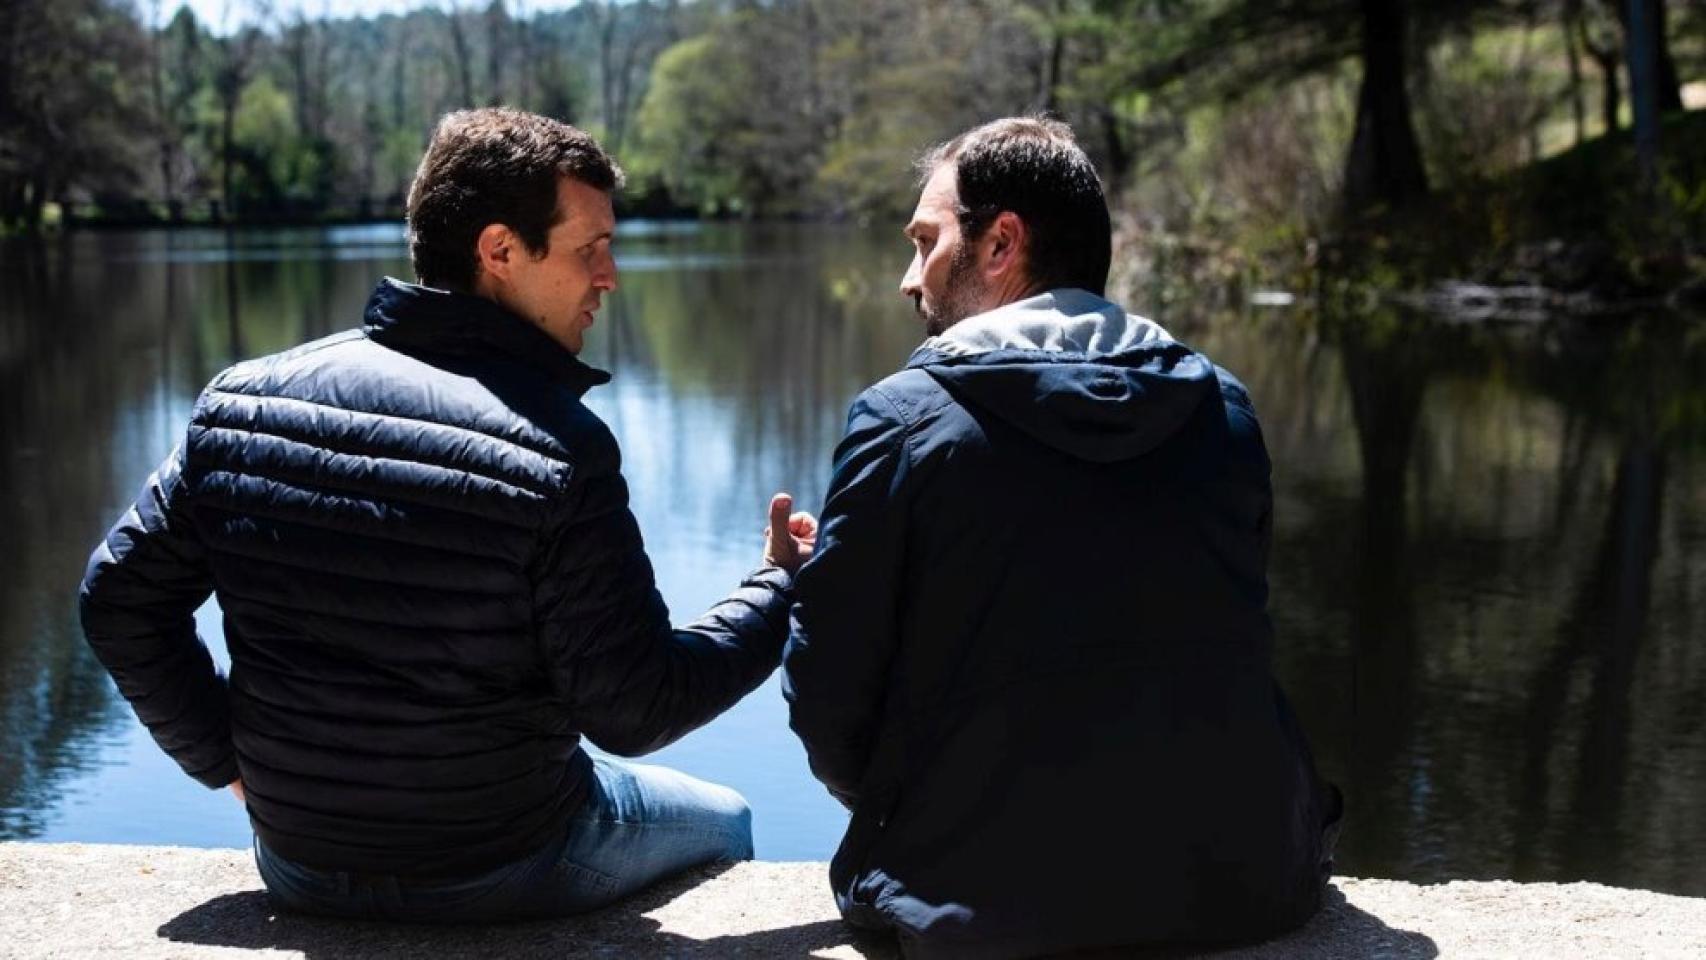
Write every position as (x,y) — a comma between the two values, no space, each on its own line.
(937,324)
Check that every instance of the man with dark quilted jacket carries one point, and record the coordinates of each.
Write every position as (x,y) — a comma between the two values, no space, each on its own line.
(432,585)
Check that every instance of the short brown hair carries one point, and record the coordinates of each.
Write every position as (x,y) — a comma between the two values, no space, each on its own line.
(494,165)
(1033,167)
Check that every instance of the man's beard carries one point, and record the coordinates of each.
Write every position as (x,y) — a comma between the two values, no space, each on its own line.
(961,298)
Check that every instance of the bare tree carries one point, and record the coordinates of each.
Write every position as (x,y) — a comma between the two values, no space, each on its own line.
(497,49)
(306,55)
(174,71)
(1606,52)
(1569,13)
(623,49)
(237,48)
(464,57)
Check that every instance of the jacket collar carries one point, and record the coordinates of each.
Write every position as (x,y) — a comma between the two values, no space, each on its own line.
(1065,324)
(408,316)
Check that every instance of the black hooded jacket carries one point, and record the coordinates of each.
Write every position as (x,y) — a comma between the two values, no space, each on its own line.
(432,588)
(1032,652)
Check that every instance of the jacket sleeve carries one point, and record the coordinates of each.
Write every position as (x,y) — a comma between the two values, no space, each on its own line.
(632,683)
(138,602)
(845,624)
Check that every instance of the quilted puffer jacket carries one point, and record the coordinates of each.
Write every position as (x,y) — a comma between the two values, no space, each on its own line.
(433,589)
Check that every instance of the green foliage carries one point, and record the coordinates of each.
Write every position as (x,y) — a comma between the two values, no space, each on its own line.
(869,167)
(696,135)
(71,109)
(1221,127)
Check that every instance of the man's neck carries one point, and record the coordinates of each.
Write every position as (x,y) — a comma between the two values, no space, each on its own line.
(1012,290)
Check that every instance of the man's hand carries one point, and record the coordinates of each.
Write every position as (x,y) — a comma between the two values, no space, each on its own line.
(790,538)
(237,789)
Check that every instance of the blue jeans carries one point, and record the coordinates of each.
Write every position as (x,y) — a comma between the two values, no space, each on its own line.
(639,825)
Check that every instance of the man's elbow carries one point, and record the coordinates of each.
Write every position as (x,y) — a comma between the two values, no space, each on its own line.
(839,776)
(103,619)
(96,608)
(836,762)
(630,744)
(93,612)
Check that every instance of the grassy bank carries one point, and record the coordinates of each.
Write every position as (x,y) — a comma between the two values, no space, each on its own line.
(1576,222)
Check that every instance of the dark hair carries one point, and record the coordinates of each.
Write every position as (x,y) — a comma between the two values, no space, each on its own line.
(1033,167)
(494,165)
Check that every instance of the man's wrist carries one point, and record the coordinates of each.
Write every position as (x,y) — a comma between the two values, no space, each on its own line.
(774,576)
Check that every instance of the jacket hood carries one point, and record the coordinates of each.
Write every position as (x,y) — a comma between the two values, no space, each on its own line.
(1074,371)
(413,318)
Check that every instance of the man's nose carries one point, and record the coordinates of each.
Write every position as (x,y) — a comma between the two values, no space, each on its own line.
(913,281)
(605,279)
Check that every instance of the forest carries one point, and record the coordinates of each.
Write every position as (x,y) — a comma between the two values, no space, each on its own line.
(1229,132)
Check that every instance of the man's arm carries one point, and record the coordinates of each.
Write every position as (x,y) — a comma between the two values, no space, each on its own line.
(836,666)
(633,684)
(139,597)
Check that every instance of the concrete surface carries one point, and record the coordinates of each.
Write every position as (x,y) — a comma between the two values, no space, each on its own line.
(77,900)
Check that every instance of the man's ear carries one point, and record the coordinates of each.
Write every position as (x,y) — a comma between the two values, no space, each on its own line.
(1006,239)
(496,249)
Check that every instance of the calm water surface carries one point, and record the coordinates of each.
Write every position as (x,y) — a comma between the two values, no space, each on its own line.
(1489,574)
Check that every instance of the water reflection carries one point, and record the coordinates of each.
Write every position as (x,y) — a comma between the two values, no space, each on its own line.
(1487,571)
(1487,576)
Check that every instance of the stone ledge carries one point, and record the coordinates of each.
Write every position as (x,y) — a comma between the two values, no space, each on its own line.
(81,900)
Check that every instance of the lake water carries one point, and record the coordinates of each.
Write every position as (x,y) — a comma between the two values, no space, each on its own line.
(1489,572)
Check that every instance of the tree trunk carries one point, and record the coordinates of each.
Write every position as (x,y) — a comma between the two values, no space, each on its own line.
(1644,79)
(322,108)
(399,81)
(814,70)
(496,50)
(1056,59)
(1652,21)
(296,56)
(164,128)
(607,66)
(528,64)
(459,46)
(1384,166)
(1119,153)
(35,201)
(1578,101)
(227,136)
(1611,97)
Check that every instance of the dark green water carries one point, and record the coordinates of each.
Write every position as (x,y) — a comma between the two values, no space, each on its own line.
(1489,575)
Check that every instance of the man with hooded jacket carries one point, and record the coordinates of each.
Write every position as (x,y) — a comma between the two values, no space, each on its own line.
(1032,652)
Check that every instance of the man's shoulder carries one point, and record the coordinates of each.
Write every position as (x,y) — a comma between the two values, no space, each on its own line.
(256,373)
(349,384)
(1232,389)
(905,396)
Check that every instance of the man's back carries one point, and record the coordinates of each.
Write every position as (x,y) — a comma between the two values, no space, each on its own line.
(432,583)
(432,587)
(1048,571)
(372,518)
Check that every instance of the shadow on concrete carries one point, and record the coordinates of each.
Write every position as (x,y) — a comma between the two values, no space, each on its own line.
(248,920)
(1341,931)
